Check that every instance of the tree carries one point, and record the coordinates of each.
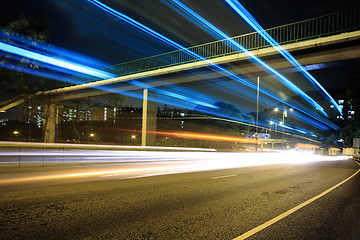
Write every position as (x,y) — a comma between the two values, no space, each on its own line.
(350,131)
(14,79)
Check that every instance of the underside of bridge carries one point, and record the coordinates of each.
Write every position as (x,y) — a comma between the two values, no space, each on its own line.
(197,77)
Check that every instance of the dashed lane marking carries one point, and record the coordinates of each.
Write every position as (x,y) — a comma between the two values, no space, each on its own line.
(226,176)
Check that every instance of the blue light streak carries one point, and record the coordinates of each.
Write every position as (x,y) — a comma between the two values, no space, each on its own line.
(207,26)
(54,61)
(21,52)
(212,65)
(254,24)
(175,95)
(37,72)
(30,44)
(137,25)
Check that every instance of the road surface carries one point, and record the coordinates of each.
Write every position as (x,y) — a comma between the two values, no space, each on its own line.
(211,204)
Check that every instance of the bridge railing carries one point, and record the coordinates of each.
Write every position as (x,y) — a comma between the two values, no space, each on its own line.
(327,25)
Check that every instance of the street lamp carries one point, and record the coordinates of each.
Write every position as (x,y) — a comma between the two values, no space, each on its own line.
(272,123)
(16,132)
(92,135)
(284,115)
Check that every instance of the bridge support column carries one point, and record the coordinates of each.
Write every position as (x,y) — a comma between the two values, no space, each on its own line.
(148,137)
(50,121)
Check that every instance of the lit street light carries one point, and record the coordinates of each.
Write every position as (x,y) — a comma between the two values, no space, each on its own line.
(282,123)
(284,115)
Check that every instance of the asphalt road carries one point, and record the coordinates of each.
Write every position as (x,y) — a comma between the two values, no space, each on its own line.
(220,204)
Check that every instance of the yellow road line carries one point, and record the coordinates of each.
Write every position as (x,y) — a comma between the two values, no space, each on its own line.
(226,176)
(287,213)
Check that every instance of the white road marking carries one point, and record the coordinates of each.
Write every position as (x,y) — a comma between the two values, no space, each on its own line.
(232,175)
(287,213)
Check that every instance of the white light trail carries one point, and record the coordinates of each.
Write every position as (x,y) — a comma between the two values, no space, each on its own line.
(161,162)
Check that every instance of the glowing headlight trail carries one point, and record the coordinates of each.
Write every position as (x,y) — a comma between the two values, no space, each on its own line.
(57,63)
(306,145)
(241,10)
(191,162)
(197,136)
(320,123)
(207,26)
(177,99)
(53,61)
(40,47)
(174,95)
(212,65)
(36,72)
(211,137)
(163,92)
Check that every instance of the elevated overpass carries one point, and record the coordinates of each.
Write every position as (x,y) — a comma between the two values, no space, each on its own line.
(324,39)
(340,47)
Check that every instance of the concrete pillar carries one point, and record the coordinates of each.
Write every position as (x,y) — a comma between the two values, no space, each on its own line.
(148,137)
(50,120)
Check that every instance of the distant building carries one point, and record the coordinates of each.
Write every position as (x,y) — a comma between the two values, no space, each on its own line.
(346,108)
(69,114)
(3,121)
(34,114)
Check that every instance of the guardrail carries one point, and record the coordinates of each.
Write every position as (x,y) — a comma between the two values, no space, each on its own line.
(18,154)
(299,31)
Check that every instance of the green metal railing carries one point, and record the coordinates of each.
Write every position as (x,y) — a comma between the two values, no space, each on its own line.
(304,30)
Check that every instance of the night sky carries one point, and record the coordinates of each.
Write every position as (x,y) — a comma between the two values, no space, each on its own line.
(81,27)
